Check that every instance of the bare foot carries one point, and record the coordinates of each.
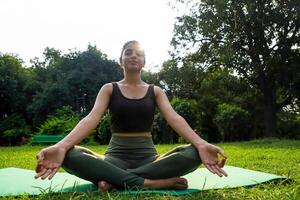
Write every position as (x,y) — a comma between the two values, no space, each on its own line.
(104,186)
(169,183)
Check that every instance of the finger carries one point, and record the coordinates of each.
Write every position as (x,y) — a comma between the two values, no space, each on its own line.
(52,173)
(222,162)
(40,156)
(223,172)
(41,173)
(220,170)
(222,153)
(38,168)
(209,168)
(216,170)
(46,174)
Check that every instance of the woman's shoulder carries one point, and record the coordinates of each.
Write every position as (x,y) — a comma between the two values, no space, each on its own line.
(107,88)
(157,90)
(108,85)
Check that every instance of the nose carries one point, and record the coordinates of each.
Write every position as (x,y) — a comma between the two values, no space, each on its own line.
(134,54)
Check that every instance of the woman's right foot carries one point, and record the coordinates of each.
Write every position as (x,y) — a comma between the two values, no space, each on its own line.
(169,183)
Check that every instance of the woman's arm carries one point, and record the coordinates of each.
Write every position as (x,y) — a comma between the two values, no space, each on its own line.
(208,152)
(88,123)
(177,122)
(51,158)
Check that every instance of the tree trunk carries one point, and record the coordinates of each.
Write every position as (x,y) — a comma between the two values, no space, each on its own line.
(270,120)
(269,110)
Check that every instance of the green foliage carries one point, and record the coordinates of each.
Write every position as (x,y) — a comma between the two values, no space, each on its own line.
(163,133)
(12,86)
(220,86)
(62,122)
(188,110)
(259,40)
(103,130)
(12,129)
(57,126)
(232,122)
(65,112)
(184,81)
(289,125)
(150,77)
(72,79)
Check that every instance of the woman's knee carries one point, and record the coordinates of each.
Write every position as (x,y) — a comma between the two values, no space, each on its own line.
(190,152)
(70,154)
(71,157)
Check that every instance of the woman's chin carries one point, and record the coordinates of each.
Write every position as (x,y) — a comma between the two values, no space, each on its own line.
(134,68)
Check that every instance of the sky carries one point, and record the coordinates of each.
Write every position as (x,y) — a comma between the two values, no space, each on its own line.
(29,26)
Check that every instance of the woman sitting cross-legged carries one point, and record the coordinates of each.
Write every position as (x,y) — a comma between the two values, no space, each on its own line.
(131,159)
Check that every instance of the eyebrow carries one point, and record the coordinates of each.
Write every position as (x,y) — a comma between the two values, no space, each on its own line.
(140,51)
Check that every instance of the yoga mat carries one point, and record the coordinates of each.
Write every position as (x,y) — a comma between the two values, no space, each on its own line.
(16,181)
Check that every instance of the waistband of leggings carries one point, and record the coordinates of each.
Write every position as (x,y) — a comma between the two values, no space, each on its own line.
(133,134)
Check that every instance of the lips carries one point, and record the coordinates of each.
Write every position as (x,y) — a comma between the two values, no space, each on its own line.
(134,62)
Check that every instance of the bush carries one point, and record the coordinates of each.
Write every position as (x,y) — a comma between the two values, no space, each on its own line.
(289,125)
(58,126)
(187,109)
(163,133)
(62,122)
(13,129)
(232,122)
(103,130)
(65,112)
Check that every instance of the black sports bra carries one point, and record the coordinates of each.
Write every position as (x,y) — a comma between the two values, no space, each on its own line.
(131,115)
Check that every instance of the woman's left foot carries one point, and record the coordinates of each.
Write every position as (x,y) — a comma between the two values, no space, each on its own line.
(104,186)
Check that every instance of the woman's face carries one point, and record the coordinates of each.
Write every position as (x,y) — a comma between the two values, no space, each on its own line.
(133,57)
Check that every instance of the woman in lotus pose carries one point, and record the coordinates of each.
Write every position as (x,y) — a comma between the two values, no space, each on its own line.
(131,159)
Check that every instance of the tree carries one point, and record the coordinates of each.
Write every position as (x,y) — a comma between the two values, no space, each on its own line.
(184,81)
(12,81)
(257,39)
(232,122)
(221,87)
(73,79)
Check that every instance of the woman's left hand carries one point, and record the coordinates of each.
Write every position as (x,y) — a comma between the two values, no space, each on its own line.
(209,155)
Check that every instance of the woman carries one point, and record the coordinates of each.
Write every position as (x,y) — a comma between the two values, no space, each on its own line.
(131,159)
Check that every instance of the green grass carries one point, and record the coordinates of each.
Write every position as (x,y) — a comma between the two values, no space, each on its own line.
(280,157)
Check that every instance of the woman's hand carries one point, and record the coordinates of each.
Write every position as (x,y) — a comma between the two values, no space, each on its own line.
(209,155)
(49,161)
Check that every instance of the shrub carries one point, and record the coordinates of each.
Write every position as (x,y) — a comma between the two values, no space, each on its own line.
(289,125)
(187,109)
(62,122)
(13,129)
(58,126)
(163,133)
(103,130)
(232,122)
(65,112)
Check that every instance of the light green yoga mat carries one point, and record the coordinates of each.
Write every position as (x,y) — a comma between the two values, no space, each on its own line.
(15,181)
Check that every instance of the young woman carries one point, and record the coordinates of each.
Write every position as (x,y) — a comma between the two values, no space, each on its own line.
(131,159)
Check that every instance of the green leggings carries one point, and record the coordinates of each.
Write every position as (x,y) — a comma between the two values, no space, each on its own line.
(129,160)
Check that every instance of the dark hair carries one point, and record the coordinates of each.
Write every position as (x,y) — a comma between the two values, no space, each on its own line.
(124,47)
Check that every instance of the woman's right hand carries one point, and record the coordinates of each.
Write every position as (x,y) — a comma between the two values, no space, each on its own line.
(49,161)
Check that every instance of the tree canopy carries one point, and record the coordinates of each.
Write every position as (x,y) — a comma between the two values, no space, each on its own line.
(259,40)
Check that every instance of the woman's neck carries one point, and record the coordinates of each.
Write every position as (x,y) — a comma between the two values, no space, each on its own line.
(132,79)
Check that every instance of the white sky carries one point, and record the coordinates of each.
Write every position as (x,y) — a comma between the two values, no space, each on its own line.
(28,26)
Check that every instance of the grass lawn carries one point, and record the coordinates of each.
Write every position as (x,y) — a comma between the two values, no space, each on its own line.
(281,157)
